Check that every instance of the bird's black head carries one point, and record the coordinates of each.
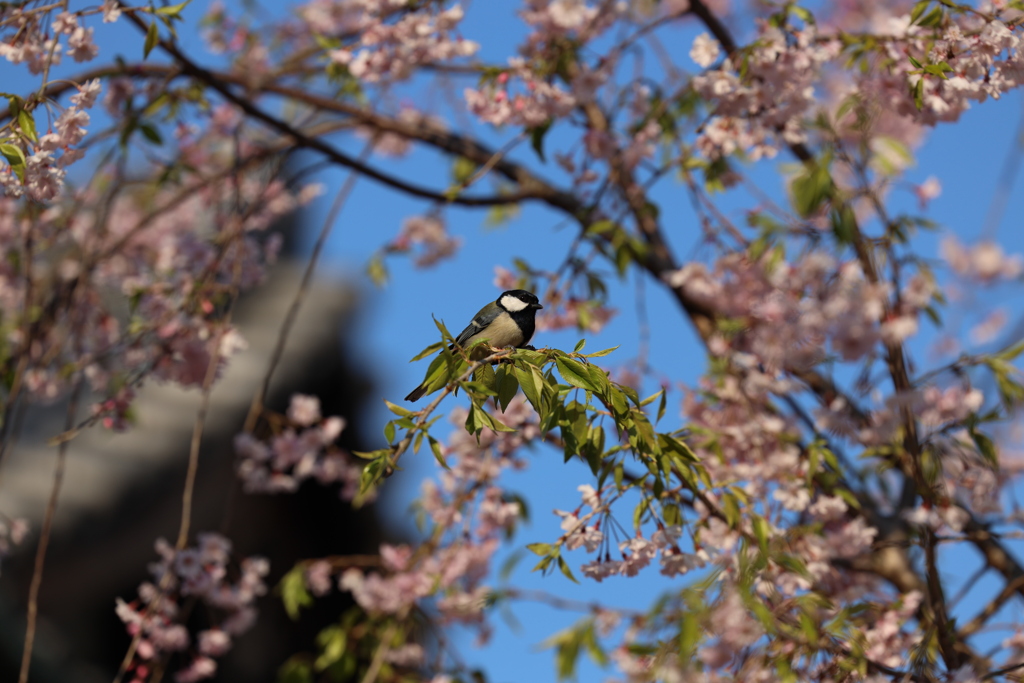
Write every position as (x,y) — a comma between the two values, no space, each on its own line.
(517,300)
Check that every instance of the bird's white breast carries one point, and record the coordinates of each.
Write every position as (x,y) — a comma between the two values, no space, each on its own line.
(512,304)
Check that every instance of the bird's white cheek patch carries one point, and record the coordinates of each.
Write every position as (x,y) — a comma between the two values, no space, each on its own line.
(512,304)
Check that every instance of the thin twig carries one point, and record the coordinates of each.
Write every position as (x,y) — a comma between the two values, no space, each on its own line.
(968,585)
(44,540)
(246,105)
(1004,670)
(197,438)
(378,657)
(256,408)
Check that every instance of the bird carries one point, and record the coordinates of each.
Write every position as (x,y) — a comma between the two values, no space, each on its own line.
(507,321)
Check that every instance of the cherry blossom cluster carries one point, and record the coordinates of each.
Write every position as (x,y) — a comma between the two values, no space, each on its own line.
(885,642)
(47,159)
(984,263)
(936,408)
(764,106)
(792,312)
(387,48)
(582,529)
(202,573)
(429,235)
(573,313)
(393,145)
(978,58)
(635,553)
(534,103)
(39,37)
(734,646)
(302,450)
(143,276)
(763,109)
(469,512)
(553,20)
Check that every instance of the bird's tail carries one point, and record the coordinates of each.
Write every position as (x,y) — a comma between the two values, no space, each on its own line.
(417,393)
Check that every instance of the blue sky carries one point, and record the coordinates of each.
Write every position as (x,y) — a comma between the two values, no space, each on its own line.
(396,321)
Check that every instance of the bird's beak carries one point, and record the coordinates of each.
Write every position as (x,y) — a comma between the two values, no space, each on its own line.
(536,306)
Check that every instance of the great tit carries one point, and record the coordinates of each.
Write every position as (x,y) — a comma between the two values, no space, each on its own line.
(508,321)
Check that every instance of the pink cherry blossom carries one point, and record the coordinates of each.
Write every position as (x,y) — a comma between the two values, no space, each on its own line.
(705,50)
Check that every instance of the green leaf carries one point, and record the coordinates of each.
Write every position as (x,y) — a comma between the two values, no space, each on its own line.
(16,158)
(986,447)
(803,13)
(761,533)
(151,133)
(372,473)
(600,380)
(617,402)
(542,549)
(443,330)
(599,354)
(579,345)
(173,11)
(939,69)
(462,170)
(332,641)
(435,448)
(811,189)
(918,10)
(473,421)
(508,385)
(479,418)
(441,371)
(844,224)
(485,375)
(496,424)
(27,125)
(370,455)
(389,432)
(1010,353)
(437,346)
(509,565)
(378,272)
(564,567)
(593,649)
(532,383)
(537,134)
(672,515)
(152,38)
(575,373)
(652,398)
(499,214)
(639,511)
(293,591)
(544,564)
(398,410)
(603,227)
(934,18)
(732,510)
(295,670)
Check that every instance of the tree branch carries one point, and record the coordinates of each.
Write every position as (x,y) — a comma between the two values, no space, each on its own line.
(190,68)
